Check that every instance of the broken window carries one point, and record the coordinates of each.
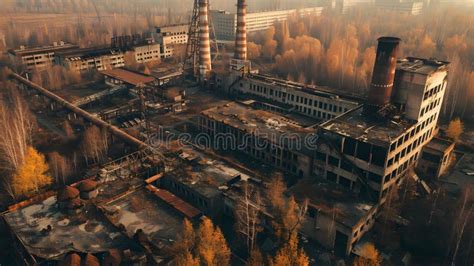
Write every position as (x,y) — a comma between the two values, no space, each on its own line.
(345,182)
(331,177)
(363,151)
(333,161)
(349,146)
(379,155)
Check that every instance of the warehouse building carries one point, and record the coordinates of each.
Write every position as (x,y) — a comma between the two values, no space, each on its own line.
(272,138)
(321,103)
(91,59)
(39,57)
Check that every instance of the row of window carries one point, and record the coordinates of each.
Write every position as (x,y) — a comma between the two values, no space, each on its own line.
(291,98)
(344,182)
(188,194)
(432,91)
(431,106)
(402,168)
(409,135)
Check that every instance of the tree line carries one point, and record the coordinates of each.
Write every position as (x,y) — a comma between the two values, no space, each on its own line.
(338,50)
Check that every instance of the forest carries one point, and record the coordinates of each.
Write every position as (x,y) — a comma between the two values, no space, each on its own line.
(339,50)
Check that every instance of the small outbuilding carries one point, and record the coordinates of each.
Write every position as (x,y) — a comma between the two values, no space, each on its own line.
(88,189)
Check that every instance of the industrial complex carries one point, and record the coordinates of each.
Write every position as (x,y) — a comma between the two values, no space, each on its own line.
(339,152)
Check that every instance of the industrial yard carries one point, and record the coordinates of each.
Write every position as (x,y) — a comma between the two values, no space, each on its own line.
(178,146)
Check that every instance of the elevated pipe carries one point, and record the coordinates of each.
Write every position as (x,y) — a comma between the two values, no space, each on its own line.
(86,115)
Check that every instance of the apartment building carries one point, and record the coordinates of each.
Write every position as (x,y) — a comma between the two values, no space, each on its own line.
(225,22)
(317,102)
(91,59)
(170,38)
(411,7)
(39,57)
(273,139)
(370,152)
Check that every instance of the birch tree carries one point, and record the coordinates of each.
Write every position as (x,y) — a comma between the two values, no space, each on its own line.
(247,216)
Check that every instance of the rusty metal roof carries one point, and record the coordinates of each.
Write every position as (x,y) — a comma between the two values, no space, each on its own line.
(177,203)
(129,77)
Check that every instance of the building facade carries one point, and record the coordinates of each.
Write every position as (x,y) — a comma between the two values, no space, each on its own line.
(91,59)
(39,57)
(370,153)
(225,23)
(146,53)
(268,137)
(316,102)
(436,158)
(411,7)
(171,38)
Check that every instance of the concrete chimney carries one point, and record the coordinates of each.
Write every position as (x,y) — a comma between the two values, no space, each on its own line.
(241,34)
(384,73)
(204,40)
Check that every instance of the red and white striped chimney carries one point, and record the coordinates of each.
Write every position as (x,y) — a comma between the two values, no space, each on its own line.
(241,34)
(204,40)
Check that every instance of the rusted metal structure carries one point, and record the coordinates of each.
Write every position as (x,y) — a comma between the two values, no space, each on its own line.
(384,73)
(241,34)
(86,115)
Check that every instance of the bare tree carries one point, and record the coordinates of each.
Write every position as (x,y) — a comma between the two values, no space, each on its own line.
(247,214)
(60,167)
(94,144)
(16,126)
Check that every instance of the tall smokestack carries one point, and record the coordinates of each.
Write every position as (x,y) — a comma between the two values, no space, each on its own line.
(204,40)
(241,34)
(384,72)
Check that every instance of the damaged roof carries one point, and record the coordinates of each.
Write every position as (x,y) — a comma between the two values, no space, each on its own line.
(378,130)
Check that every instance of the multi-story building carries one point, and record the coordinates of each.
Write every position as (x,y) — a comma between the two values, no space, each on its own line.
(274,139)
(317,102)
(171,38)
(146,53)
(91,59)
(138,48)
(412,7)
(225,22)
(39,57)
(370,150)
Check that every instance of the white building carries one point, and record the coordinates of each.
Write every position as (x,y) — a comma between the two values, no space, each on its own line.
(170,38)
(91,59)
(39,57)
(146,53)
(225,23)
(411,7)
(317,102)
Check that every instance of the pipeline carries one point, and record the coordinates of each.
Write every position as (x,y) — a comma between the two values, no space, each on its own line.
(84,114)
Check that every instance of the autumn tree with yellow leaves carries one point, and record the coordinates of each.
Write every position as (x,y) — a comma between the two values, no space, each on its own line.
(32,173)
(207,246)
(370,256)
(455,129)
(290,254)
